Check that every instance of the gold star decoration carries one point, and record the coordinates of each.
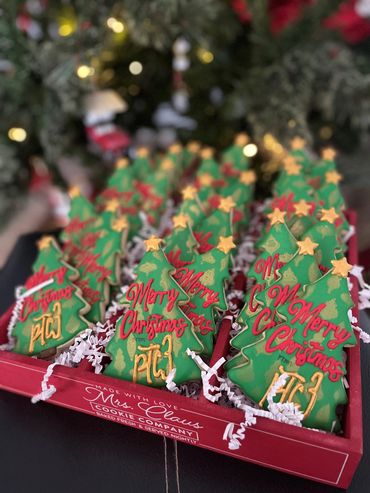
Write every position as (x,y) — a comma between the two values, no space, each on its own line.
(225,244)
(175,148)
(328,153)
(293,169)
(120,224)
(302,208)
(193,146)
(276,216)
(207,153)
(45,242)
(167,165)
(297,143)
(74,192)
(241,139)
(111,205)
(248,177)
(226,204)
(142,152)
(289,161)
(153,244)
(333,177)
(205,179)
(180,221)
(307,246)
(329,215)
(122,163)
(341,267)
(189,192)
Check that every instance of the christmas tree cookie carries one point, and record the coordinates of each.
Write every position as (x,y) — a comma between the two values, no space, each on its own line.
(191,205)
(308,347)
(204,282)
(180,243)
(325,233)
(299,152)
(153,334)
(51,316)
(325,164)
(233,159)
(100,267)
(218,223)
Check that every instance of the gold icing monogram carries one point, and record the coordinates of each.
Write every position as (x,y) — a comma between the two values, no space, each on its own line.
(295,383)
(148,360)
(47,326)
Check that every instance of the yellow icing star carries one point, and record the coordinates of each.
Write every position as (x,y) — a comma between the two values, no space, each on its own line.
(175,148)
(193,146)
(225,244)
(111,205)
(276,216)
(153,244)
(341,267)
(241,139)
(142,151)
(289,161)
(74,192)
(226,204)
(329,215)
(205,179)
(167,165)
(297,143)
(293,169)
(333,177)
(328,153)
(189,192)
(248,177)
(180,221)
(122,163)
(307,246)
(45,242)
(206,153)
(120,224)
(302,208)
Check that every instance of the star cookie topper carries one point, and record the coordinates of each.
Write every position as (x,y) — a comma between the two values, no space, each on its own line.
(207,153)
(153,244)
(248,177)
(329,215)
(189,192)
(241,139)
(205,179)
(302,208)
(120,223)
(74,192)
(121,163)
(226,204)
(276,216)
(328,153)
(180,221)
(297,143)
(44,242)
(225,244)
(307,246)
(341,267)
(111,205)
(333,177)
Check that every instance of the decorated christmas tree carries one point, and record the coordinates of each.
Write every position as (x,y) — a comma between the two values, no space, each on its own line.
(153,334)
(308,347)
(204,282)
(54,314)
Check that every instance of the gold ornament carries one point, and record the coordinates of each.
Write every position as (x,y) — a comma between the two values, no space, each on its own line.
(341,267)
(307,246)
(225,244)
(153,244)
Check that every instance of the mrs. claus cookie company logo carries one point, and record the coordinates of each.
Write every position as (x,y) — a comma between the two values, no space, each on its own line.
(141,412)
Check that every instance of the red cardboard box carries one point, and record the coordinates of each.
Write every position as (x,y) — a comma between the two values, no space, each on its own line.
(322,457)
